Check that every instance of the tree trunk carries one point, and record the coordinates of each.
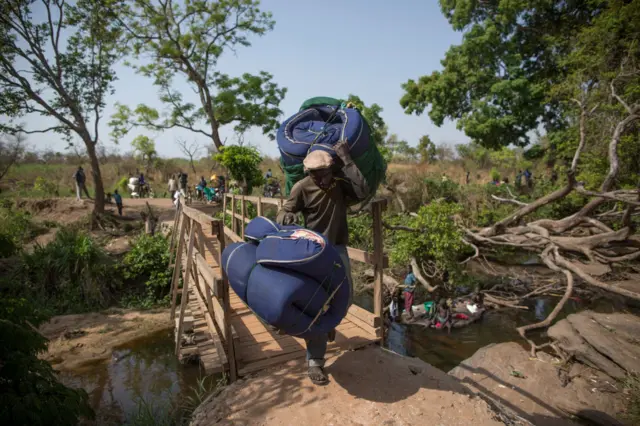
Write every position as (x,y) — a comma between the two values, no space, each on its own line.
(193,167)
(98,206)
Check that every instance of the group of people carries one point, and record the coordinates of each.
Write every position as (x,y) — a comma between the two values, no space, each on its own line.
(528,178)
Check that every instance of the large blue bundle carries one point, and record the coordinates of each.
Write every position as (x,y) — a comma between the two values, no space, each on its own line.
(309,130)
(293,279)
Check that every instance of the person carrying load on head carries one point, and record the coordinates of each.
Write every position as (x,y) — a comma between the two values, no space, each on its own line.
(322,198)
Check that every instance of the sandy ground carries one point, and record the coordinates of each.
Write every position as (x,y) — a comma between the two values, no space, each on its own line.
(78,340)
(368,387)
(540,397)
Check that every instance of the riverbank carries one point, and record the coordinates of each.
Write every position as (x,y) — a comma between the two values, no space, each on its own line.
(82,340)
(368,386)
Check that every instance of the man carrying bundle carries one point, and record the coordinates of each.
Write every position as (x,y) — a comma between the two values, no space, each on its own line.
(322,197)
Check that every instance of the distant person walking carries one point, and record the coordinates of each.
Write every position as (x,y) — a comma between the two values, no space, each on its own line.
(118,199)
(468,179)
(80,179)
(172,186)
(182,183)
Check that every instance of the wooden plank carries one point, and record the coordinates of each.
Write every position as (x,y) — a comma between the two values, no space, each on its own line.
(174,232)
(239,217)
(232,236)
(269,335)
(213,332)
(233,213)
(176,271)
(259,206)
(224,209)
(242,216)
(206,272)
(378,266)
(366,328)
(185,287)
(253,199)
(231,354)
(365,257)
(198,216)
(366,316)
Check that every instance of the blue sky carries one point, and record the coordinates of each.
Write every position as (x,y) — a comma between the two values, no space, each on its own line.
(322,48)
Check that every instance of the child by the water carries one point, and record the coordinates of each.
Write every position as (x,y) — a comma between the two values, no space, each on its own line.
(118,199)
(409,288)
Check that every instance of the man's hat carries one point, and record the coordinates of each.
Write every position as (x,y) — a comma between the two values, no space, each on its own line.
(318,160)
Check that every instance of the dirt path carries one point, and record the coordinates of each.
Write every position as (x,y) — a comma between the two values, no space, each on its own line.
(368,387)
(77,340)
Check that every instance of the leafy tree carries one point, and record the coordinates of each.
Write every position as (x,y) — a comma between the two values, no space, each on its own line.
(243,164)
(145,149)
(58,63)
(148,259)
(426,149)
(497,82)
(187,39)
(436,239)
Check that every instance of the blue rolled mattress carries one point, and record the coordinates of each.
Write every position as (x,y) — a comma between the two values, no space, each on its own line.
(308,131)
(292,278)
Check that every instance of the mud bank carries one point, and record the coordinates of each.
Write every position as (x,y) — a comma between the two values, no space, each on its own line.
(84,339)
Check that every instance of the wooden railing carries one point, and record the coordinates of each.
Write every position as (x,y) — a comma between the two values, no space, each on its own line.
(211,287)
(378,260)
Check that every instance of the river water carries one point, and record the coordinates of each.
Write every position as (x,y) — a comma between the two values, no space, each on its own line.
(145,384)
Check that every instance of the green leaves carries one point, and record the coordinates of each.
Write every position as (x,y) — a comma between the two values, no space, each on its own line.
(186,40)
(439,239)
(496,83)
(243,164)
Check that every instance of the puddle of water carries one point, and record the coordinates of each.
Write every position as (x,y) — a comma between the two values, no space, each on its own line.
(445,351)
(144,374)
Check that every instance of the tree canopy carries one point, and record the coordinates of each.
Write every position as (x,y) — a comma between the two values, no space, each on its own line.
(243,164)
(498,82)
(65,78)
(187,39)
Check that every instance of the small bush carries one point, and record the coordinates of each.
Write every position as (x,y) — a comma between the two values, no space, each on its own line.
(70,274)
(495,175)
(148,260)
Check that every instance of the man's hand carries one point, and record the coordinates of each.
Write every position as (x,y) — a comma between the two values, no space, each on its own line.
(342,151)
(289,219)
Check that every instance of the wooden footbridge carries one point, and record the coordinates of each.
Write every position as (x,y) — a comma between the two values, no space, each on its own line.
(215,327)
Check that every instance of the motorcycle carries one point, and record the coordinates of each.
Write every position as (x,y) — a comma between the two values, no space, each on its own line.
(271,189)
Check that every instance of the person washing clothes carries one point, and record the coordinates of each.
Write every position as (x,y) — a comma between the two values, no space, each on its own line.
(409,288)
(118,199)
(322,198)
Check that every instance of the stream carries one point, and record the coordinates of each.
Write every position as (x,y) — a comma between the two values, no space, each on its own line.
(144,383)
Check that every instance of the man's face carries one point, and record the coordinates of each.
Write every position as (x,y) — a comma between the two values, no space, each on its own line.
(322,178)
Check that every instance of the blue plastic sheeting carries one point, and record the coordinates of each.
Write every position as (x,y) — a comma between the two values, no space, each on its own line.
(308,131)
(293,279)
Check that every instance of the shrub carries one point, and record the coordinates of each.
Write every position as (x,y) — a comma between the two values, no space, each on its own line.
(70,274)
(30,391)
(148,260)
(495,175)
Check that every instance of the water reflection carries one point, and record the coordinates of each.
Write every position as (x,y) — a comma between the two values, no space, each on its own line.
(146,369)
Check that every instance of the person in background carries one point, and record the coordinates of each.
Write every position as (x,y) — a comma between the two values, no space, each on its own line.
(468,179)
(203,183)
(409,288)
(519,179)
(141,181)
(268,175)
(118,199)
(554,176)
(322,198)
(528,177)
(172,186)
(80,179)
(182,183)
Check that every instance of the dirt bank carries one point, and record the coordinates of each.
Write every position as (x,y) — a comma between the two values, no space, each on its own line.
(367,387)
(78,340)
(541,396)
